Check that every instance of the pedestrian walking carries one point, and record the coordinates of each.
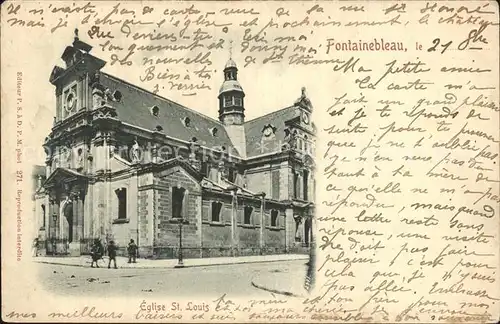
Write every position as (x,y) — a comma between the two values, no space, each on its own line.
(96,252)
(35,247)
(112,253)
(132,251)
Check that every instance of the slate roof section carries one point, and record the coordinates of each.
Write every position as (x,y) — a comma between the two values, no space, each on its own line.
(135,108)
(230,85)
(254,127)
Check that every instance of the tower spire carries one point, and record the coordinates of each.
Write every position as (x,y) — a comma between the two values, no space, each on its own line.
(231,107)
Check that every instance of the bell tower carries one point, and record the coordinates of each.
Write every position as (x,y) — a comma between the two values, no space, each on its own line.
(232,108)
(231,104)
(72,81)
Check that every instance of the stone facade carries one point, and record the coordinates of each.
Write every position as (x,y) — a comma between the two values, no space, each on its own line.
(123,163)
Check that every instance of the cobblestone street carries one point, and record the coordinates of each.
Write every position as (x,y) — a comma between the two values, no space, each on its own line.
(233,280)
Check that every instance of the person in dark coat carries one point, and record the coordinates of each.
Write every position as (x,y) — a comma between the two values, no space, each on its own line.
(132,251)
(112,253)
(36,245)
(96,252)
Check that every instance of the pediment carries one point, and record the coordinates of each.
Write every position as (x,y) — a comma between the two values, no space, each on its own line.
(175,165)
(62,176)
(118,163)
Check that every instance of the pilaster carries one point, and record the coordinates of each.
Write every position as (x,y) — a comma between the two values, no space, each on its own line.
(234,202)
(262,222)
(289,229)
(76,215)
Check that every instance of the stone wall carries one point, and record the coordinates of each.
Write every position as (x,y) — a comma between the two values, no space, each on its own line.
(261,179)
(167,231)
(203,237)
(125,229)
(216,235)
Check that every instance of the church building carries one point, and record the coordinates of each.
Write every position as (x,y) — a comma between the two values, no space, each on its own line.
(124,163)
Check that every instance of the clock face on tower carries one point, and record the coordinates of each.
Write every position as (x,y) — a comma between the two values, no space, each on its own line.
(305,118)
(70,101)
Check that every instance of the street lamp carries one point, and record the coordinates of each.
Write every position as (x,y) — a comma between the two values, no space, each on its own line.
(181,222)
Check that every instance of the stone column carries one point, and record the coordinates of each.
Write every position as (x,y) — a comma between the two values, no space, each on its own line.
(234,243)
(79,228)
(89,222)
(74,245)
(56,223)
(74,203)
(58,247)
(134,187)
(110,144)
(50,225)
(300,187)
(289,229)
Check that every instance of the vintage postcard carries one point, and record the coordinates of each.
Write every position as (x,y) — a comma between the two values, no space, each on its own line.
(250,161)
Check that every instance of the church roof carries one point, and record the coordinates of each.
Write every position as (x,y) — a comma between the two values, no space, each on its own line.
(277,119)
(136,105)
(230,85)
(230,64)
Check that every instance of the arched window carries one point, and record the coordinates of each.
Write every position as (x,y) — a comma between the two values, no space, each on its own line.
(248,215)
(216,209)
(43,215)
(274,218)
(121,195)
(178,202)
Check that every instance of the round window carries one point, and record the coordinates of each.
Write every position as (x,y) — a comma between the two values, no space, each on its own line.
(70,101)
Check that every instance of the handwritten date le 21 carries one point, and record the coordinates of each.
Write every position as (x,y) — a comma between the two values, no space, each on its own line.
(473,37)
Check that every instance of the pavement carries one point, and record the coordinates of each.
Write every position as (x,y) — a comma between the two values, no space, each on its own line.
(274,281)
(282,284)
